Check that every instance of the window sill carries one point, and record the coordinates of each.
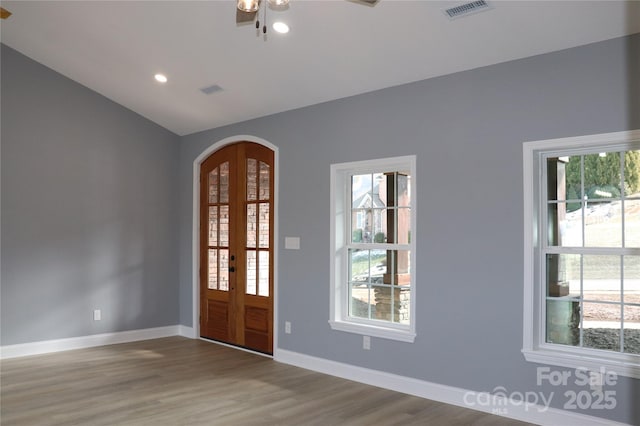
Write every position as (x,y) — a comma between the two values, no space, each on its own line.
(374,331)
(572,359)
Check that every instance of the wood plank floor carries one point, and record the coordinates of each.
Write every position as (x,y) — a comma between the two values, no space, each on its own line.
(178,381)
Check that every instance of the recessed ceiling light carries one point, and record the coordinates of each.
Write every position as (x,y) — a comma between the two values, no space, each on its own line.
(280,27)
(160,78)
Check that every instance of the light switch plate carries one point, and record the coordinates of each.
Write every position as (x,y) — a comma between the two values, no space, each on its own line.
(292,243)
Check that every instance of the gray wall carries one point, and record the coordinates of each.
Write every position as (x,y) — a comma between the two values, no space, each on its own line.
(467,131)
(96,208)
(88,210)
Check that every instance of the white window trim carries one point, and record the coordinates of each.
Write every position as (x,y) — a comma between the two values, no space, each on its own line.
(339,319)
(534,348)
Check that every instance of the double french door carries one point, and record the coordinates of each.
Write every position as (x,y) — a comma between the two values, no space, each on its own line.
(236,246)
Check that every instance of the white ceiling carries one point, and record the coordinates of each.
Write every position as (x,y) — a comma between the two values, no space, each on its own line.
(336,48)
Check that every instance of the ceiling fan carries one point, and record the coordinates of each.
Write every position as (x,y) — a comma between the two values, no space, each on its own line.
(247,10)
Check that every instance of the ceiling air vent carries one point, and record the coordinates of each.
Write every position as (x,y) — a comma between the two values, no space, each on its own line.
(211,89)
(467,9)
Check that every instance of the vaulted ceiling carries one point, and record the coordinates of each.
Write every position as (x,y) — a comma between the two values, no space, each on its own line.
(335,49)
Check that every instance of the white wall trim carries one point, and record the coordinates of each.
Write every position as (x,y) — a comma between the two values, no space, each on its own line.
(498,405)
(195,235)
(185,331)
(534,347)
(59,345)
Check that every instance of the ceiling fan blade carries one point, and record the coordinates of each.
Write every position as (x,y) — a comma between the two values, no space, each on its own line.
(369,3)
(4,13)
(245,17)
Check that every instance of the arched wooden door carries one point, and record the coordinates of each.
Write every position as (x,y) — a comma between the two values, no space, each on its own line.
(236,246)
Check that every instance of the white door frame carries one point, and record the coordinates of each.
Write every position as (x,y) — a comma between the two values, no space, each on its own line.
(195,236)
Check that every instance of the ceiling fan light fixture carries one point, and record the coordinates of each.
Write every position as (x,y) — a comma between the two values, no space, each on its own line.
(248,5)
(280,27)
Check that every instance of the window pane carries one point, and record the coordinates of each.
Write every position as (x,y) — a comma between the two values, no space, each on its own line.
(263,274)
(251,272)
(573,176)
(602,175)
(252,179)
(404,226)
(213,225)
(631,276)
(632,173)
(359,270)
(264,181)
(252,225)
(632,223)
(564,226)
(388,308)
(369,225)
(603,225)
(556,179)
(601,326)
(563,275)
(404,191)
(224,182)
(367,265)
(601,278)
(632,329)
(360,301)
(384,304)
(398,265)
(361,191)
(563,322)
(213,186)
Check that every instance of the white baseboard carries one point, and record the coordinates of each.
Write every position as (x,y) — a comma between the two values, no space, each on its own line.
(58,345)
(185,331)
(493,404)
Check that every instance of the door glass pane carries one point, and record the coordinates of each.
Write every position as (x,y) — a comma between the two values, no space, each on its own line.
(252,179)
(265,181)
(632,222)
(224,226)
(263,275)
(213,269)
(224,270)
(602,278)
(252,217)
(263,235)
(251,272)
(213,225)
(213,186)
(224,182)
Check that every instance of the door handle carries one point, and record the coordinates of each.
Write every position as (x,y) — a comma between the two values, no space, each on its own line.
(232,269)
